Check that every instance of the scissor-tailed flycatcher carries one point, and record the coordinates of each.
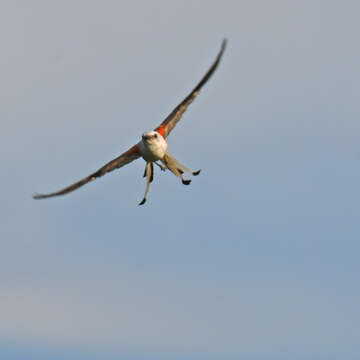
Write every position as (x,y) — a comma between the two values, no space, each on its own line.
(152,147)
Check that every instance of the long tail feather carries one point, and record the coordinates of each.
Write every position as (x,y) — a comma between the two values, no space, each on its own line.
(177,169)
(149,173)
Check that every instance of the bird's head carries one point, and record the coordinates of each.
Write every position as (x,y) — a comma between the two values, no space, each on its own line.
(152,137)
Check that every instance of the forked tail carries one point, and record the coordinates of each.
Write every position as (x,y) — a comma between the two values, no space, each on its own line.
(178,169)
(149,174)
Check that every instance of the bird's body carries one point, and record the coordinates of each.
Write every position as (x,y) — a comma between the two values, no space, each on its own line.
(152,147)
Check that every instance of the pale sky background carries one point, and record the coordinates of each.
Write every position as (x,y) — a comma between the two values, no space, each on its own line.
(258,258)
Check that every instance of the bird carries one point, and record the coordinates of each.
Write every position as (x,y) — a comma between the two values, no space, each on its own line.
(152,147)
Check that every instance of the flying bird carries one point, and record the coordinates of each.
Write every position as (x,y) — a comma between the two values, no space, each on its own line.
(152,146)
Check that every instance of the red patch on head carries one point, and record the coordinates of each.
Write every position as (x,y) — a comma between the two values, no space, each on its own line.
(160,129)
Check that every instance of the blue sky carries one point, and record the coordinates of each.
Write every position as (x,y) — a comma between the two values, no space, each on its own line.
(257,258)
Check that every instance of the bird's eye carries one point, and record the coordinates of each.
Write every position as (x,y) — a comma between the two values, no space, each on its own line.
(155,136)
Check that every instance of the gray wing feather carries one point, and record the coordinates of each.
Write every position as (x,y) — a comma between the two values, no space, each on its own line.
(125,158)
(169,123)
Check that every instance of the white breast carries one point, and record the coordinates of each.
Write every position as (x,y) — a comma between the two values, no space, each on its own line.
(153,149)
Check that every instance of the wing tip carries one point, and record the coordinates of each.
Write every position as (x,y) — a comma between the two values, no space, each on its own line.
(222,48)
(38,196)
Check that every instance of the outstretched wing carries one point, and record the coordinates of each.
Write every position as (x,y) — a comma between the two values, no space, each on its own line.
(169,123)
(125,158)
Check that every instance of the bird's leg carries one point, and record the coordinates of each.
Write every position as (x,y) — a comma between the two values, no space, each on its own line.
(161,166)
(177,169)
(149,173)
